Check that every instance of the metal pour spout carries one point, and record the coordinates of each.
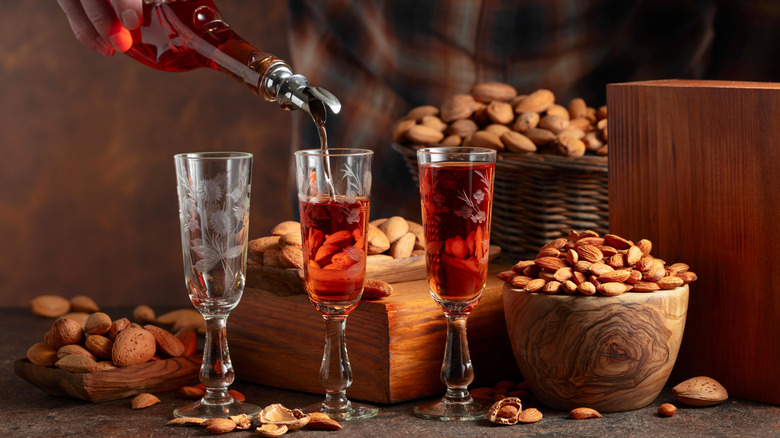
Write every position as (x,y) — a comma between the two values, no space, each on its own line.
(294,91)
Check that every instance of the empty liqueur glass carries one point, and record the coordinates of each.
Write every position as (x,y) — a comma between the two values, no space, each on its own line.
(333,199)
(213,189)
(456,191)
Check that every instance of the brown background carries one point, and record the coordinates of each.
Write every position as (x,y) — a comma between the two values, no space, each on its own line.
(87,185)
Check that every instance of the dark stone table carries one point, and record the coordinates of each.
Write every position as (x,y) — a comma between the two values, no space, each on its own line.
(25,411)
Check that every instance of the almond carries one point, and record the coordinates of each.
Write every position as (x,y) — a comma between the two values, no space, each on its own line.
(571,146)
(586,288)
(376,289)
(188,338)
(497,129)
(526,121)
(540,137)
(263,244)
(598,269)
(99,345)
(451,140)
(618,276)
(291,256)
(645,263)
(537,102)
(656,272)
(144,400)
(646,246)
(117,327)
(645,286)
(424,134)
(633,255)
(550,263)
(457,106)
(493,91)
(688,277)
(271,258)
(143,314)
(530,415)
(667,410)
(167,343)
(583,413)
(219,425)
(377,240)
(434,122)
(292,238)
(617,241)
(589,253)
(553,123)
(394,227)
(192,392)
(132,347)
(535,285)
(485,139)
(552,287)
(83,303)
(98,323)
(577,108)
(612,289)
(104,365)
(500,112)
(186,421)
(671,282)
(320,421)
(42,354)
(569,287)
(403,247)
(79,317)
(419,112)
(285,227)
(50,306)
(67,350)
(700,391)
(517,142)
(64,332)
(520,281)
(462,127)
(401,128)
(564,274)
(616,261)
(271,430)
(76,363)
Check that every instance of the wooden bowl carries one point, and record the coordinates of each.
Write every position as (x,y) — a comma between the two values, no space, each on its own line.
(606,353)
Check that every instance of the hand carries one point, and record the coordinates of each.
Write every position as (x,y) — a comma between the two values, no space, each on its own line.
(103,25)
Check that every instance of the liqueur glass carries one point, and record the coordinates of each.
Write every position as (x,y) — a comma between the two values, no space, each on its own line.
(334,188)
(213,189)
(456,192)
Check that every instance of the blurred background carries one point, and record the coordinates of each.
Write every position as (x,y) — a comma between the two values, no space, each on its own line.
(87,184)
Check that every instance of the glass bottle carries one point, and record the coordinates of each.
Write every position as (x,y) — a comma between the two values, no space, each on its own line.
(182,35)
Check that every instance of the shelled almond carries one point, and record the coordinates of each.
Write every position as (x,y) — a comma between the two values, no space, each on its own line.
(587,263)
(494,116)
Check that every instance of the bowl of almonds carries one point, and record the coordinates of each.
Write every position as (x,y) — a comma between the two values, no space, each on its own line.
(596,321)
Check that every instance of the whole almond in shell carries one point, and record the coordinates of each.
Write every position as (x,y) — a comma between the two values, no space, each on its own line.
(292,238)
(291,256)
(558,110)
(425,135)
(98,323)
(50,306)
(285,227)
(132,347)
(537,102)
(462,127)
(188,338)
(700,391)
(117,327)
(79,317)
(577,108)
(540,137)
(394,227)
(451,140)
(99,345)
(526,121)
(67,350)
(493,91)
(517,142)
(263,244)
(418,232)
(419,112)
(457,106)
(500,112)
(553,123)
(64,332)
(376,289)
(485,139)
(167,343)
(401,128)
(42,354)
(571,146)
(497,129)
(104,365)
(143,400)
(403,247)
(271,258)
(83,303)
(76,363)
(435,123)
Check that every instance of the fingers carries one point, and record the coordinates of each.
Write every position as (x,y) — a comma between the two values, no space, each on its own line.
(82,27)
(105,21)
(129,12)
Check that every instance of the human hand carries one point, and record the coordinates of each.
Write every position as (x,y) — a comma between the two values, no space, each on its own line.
(103,25)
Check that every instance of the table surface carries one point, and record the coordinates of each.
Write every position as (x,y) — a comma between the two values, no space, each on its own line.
(27,411)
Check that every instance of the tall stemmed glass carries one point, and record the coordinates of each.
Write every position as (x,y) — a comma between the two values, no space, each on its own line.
(333,198)
(456,190)
(213,190)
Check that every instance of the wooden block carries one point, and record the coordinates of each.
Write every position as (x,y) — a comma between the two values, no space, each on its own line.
(693,168)
(395,345)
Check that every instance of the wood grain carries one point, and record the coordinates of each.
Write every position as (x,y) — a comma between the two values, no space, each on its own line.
(607,353)
(155,376)
(396,345)
(693,167)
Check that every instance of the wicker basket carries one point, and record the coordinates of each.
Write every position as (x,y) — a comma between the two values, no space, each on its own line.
(540,197)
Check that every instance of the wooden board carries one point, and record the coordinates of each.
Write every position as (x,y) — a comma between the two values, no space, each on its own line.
(693,167)
(395,345)
(154,376)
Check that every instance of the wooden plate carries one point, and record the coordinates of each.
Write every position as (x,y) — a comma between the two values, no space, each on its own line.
(155,376)
(285,282)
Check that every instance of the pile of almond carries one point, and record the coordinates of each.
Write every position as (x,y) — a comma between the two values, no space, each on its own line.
(494,116)
(97,343)
(587,263)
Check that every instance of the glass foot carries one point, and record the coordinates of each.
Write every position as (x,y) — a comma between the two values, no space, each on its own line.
(445,410)
(350,411)
(201,409)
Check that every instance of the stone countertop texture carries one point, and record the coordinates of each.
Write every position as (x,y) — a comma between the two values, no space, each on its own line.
(29,412)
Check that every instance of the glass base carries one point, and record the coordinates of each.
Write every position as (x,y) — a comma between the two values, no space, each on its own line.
(352,411)
(201,409)
(445,410)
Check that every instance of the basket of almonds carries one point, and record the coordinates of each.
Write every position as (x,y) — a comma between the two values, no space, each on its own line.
(551,171)
(596,321)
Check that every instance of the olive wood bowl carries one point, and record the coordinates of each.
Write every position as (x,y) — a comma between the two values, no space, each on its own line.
(606,353)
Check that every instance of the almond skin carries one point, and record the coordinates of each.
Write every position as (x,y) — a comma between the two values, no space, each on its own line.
(583,413)
(667,410)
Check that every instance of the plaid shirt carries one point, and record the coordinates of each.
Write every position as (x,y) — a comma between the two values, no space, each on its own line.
(383,57)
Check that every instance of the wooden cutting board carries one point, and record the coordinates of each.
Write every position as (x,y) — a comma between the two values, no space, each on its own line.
(693,166)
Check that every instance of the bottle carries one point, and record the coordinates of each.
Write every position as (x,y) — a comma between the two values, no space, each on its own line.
(182,35)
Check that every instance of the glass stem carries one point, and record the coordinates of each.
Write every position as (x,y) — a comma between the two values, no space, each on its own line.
(456,370)
(216,372)
(335,372)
